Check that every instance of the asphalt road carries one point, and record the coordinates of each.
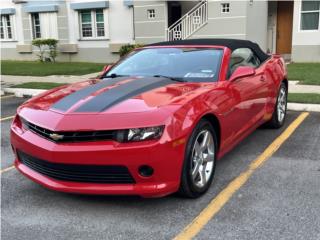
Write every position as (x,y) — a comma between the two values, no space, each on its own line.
(279,201)
(9,106)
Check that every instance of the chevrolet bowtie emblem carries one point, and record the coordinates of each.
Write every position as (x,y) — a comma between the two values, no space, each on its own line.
(55,136)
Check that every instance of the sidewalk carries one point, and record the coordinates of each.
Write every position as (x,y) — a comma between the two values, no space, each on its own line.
(295,87)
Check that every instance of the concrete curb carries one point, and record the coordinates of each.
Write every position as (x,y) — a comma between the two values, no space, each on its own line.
(295,87)
(304,107)
(22,92)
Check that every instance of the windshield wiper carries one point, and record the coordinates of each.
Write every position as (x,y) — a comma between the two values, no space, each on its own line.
(114,75)
(171,78)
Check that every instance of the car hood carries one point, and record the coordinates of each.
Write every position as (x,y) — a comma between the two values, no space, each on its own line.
(151,99)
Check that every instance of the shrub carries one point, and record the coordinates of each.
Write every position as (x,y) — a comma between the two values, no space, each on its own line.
(125,49)
(43,45)
(52,44)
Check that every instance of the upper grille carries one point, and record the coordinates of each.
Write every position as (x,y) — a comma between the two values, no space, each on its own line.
(78,172)
(80,136)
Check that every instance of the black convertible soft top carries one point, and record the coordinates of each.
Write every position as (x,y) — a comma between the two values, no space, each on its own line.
(229,43)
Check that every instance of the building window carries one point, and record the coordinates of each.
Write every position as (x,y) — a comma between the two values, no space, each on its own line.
(92,23)
(36,29)
(310,11)
(225,7)
(151,13)
(44,25)
(86,24)
(100,23)
(6,27)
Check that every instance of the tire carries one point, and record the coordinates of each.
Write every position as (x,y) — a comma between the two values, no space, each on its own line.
(280,109)
(200,161)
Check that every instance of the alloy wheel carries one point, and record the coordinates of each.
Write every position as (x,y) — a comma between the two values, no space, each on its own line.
(282,104)
(203,155)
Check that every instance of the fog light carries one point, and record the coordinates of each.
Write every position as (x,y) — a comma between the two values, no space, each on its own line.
(145,171)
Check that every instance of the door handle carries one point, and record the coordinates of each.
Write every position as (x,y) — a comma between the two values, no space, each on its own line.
(262,79)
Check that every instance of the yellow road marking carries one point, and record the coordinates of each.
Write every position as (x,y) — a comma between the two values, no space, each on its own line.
(7,96)
(6,118)
(7,169)
(223,197)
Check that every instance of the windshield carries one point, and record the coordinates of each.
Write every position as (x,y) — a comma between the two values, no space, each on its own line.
(188,64)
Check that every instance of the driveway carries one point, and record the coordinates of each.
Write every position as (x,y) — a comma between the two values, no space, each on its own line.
(280,200)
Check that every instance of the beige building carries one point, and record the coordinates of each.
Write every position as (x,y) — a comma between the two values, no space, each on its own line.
(93,30)
(87,30)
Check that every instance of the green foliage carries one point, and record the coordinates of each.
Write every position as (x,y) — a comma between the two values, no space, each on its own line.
(125,49)
(44,45)
(39,85)
(306,73)
(40,44)
(313,98)
(52,44)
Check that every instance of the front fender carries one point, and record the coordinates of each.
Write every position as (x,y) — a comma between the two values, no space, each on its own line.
(187,116)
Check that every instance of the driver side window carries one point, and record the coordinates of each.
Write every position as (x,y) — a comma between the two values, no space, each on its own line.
(243,57)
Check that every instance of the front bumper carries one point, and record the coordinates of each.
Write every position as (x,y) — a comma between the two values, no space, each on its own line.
(166,158)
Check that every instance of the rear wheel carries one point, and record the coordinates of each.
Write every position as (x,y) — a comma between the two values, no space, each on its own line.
(280,111)
(200,160)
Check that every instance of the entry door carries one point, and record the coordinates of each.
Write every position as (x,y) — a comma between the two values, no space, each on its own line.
(284,27)
(174,12)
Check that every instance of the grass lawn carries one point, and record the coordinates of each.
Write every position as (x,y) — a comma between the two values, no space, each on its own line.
(304,98)
(38,85)
(306,73)
(28,68)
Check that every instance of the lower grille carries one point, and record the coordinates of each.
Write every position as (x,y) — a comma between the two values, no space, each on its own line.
(78,172)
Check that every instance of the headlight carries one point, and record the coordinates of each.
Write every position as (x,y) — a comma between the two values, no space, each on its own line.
(139,134)
(24,124)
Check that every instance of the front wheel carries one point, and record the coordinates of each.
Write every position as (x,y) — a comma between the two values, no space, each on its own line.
(280,110)
(200,160)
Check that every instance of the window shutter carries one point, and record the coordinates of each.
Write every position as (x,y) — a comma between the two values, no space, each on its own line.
(49,25)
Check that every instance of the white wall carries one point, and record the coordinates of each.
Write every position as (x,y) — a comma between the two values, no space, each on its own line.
(257,23)
(309,37)
(224,25)
(120,22)
(272,26)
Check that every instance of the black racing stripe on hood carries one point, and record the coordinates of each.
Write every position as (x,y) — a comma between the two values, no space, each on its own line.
(121,93)
(67,102)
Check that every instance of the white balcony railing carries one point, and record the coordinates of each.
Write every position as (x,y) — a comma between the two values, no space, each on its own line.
(189,23)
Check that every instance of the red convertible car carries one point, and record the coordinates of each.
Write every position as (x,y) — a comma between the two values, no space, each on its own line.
(154,123)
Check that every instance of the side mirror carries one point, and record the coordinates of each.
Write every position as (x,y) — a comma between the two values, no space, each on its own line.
(242,71)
